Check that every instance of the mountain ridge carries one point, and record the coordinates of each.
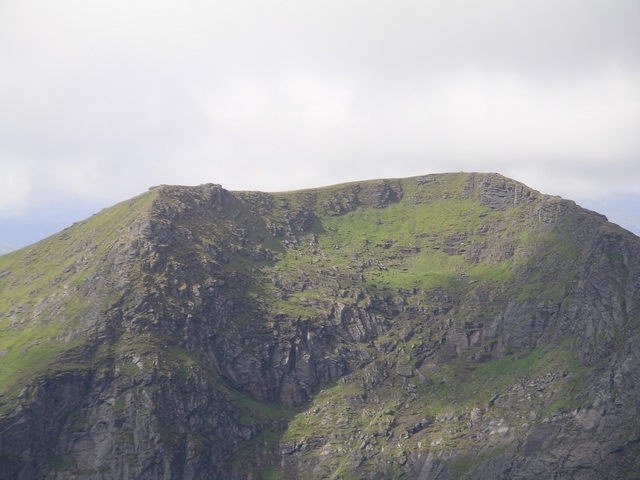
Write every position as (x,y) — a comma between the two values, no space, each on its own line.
(186,304)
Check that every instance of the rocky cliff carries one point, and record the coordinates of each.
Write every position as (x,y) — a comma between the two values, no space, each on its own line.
(444,326)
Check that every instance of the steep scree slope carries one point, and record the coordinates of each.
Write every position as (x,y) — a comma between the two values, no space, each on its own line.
(444,326)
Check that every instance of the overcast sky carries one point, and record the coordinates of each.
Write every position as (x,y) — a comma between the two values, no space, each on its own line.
(100,100)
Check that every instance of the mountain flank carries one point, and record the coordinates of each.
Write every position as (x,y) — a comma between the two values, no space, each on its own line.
(443,326)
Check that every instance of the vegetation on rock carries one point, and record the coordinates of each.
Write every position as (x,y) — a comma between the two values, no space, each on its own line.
(443,326)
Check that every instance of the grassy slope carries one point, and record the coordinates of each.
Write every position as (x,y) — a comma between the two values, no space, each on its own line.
(39,291)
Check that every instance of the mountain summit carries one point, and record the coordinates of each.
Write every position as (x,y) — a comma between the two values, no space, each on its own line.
(443,326)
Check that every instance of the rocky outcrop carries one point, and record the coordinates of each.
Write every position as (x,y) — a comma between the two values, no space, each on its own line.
(345,201)
(380,194)
(497,192)
(377,194)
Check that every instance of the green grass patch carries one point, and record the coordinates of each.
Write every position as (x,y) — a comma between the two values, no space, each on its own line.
(260,411)
(272,473)
(129,368)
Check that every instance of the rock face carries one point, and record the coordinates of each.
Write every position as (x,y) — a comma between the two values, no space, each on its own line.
(445,326)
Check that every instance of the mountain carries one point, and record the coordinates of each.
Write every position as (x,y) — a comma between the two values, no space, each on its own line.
(444,326)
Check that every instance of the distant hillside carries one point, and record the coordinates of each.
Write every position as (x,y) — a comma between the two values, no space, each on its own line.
(6,248)
(443,326)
